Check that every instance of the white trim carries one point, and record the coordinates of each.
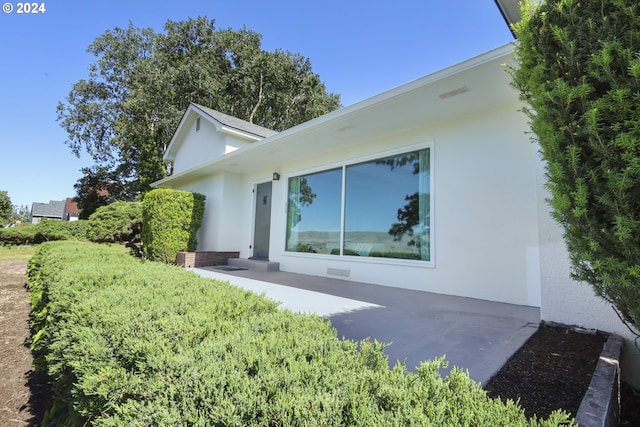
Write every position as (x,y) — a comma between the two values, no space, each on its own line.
(199,114)
(232,131)
(361,159)
(221,127)
(391,95)
(432,206)
(360,259)
(343,209)
(430,144)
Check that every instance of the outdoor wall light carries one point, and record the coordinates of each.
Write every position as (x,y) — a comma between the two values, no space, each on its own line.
(276,176)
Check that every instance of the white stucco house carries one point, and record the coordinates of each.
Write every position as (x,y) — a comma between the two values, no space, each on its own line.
(434,186)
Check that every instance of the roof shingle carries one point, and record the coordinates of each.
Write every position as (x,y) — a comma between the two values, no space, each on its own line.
(53,209)
(236,123)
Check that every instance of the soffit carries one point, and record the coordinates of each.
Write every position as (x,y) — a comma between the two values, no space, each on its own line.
(510,10)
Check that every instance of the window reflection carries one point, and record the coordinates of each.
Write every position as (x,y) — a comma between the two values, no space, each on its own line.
(387,209)
(313,214)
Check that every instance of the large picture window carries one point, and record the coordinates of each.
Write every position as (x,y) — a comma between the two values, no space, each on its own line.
(378,208)
(313,213)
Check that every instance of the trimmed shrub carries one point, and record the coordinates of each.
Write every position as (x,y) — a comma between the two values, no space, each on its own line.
(44,231)
(118,222)
(78,229)
(130,342)
(171,219)
(22,235)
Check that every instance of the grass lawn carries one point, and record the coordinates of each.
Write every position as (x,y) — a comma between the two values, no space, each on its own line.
(16,253)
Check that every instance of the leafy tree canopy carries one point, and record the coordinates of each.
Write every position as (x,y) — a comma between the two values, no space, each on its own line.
(21,214)
(579,71)
(98,187)
(6,209)
(124,114)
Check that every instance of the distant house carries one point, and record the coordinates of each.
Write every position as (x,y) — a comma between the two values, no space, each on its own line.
(72,213)
(57,210)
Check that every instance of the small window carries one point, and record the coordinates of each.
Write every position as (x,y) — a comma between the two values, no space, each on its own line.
(197,124)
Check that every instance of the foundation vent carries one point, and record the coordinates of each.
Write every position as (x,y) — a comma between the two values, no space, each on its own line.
(338,272)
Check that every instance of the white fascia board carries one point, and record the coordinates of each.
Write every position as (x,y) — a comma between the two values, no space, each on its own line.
(238,133)
(193,109)
(167,153)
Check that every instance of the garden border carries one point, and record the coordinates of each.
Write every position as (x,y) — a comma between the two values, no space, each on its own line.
(204,258)
(600,405)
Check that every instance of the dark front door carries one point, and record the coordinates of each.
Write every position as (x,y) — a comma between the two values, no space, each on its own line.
(262,224)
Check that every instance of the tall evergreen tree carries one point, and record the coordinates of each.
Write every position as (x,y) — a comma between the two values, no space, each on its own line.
(579,71)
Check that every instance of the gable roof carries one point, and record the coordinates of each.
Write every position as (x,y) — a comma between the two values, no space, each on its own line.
(236,123)
(445,96)
(53,209)
(223,123)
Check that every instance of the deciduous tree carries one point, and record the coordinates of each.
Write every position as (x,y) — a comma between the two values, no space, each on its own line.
(124,114)
(20,214)
(6,209)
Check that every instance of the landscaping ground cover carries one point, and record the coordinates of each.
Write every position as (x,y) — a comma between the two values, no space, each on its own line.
(26,395)
(129,342)
(551,370)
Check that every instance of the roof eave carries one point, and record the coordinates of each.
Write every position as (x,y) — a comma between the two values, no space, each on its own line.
(236,132)
(439,79)
(510,10)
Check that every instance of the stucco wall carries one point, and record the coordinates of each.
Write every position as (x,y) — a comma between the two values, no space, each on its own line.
(227,212)
(485,212)
(198,146)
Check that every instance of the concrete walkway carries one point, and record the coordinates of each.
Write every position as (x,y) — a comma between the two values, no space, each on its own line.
(476,335)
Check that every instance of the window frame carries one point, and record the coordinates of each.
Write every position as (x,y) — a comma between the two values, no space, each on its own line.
(342,165)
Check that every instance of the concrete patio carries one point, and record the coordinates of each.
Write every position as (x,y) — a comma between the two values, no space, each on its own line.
(476,335)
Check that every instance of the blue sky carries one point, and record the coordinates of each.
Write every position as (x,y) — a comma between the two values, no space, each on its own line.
(358,47)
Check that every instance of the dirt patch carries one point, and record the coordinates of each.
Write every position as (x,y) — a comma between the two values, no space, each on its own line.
(24,395)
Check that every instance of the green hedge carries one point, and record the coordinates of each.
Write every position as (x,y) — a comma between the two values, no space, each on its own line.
(578,70)
(118,222)
(132,342)
(170,222)
(44,231)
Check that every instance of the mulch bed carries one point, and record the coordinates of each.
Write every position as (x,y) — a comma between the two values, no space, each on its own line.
(553,369)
